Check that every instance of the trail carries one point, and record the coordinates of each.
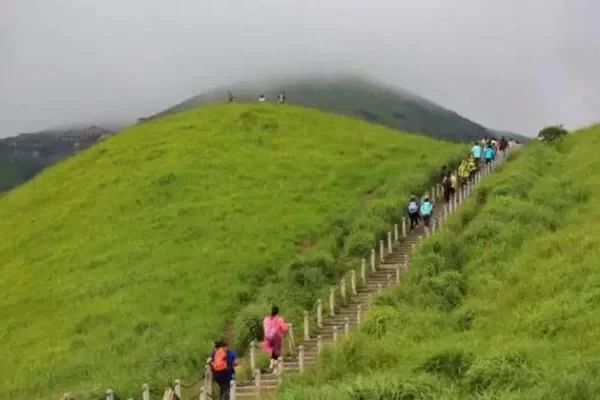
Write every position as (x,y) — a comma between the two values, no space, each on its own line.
(387,273)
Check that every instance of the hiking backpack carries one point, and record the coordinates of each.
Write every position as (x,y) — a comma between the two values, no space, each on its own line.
(413,207)
(219,361)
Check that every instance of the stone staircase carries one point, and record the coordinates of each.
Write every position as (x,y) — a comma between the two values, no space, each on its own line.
(385,270)
(346,318)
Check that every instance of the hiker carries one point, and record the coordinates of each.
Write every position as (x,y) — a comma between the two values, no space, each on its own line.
(503,145)
(476,152)
(262,98)
(413,211)
(447,185)
(426,210)
(223,362)
(274,328)
(489,153)
(472,167)
(453,184)
(229,97)
(464,172)
(281,98)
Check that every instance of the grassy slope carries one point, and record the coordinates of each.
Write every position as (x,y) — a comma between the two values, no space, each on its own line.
(359,98)
(503,304)
(120,265)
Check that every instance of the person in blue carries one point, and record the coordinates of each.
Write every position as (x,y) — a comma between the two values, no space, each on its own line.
(426,210)
(489,153)
(477,152)
(223,362)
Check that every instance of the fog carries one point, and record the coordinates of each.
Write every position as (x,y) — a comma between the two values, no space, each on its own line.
(507,64)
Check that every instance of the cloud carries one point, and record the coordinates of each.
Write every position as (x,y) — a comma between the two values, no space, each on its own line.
(507,64)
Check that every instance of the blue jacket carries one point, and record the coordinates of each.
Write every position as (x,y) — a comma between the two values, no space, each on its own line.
(489,153)
(476,151)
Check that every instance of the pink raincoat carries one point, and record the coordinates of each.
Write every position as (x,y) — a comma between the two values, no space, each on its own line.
(275,344)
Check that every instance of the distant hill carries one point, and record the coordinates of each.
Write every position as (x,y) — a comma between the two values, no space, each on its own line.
(359,98)
(23,156)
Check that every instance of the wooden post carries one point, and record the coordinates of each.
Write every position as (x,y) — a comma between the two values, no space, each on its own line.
(319,344)
(379,288)
(403,227)
(396,237)
(346,326)
(203,395)
(280,367)
(177,388)
(358,314)
(389,243)
(363,271)
(433,227)
(389,279)
(369,299)
(291,336)
(353,281)
(343,289)
(332,302)
(257,381)
(145,391)
(301,358)
(413,246)
(110,395)
(319,313)
(67,396)
(253,355)
(373,260)
(381,252)
(335,334)
(208,380)
(306,326)
(232,390)
(397,274)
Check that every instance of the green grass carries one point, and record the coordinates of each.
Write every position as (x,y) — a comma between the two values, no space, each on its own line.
(122,264)
(502,304)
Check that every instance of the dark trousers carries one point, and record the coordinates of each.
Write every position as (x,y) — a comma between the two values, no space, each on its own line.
(427,220)
(414,219)
(224,388)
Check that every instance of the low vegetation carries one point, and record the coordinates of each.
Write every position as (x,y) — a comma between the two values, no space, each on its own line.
(502,304)
(122,264)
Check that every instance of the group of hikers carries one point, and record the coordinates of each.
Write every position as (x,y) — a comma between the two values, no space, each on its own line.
(482,152)
(223,360)
(281,98)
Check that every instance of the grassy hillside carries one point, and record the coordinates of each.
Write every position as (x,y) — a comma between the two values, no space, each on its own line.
(359,98)
(121,264)
(503,304)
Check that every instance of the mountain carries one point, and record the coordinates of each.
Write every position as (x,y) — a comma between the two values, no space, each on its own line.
(123,263)
(23,156)
(356,97)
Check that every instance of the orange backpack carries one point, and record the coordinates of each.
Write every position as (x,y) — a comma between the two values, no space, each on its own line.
(219,361)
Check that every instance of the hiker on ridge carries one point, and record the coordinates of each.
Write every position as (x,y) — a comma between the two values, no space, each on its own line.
(274,328)
(472,167)
(281,97)
(222,364)
(426,210)
(447,185)
(262,98)
(229,97)
(413,211)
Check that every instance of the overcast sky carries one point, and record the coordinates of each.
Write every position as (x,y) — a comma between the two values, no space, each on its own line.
(508,64)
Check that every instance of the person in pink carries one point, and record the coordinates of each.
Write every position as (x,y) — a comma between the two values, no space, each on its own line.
(274,328)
